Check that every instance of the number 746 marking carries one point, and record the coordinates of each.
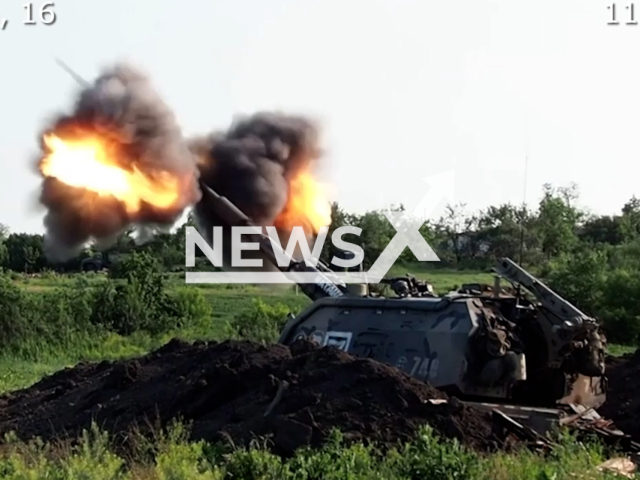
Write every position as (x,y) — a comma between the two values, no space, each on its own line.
(425,367)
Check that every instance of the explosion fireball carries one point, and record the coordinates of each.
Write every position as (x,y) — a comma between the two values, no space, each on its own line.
(263,164)
(306,205)
(119,160)
(87,163)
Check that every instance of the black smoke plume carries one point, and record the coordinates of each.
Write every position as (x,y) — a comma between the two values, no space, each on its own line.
(122,104)
(252,164)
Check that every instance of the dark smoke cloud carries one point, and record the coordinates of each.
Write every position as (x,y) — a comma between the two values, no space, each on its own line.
(147,135)
(251,164)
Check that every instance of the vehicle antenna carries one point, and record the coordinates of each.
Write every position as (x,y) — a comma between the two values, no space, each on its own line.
(524,192)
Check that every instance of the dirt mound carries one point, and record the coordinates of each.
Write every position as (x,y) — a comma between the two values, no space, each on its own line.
(229,387)
(623,393)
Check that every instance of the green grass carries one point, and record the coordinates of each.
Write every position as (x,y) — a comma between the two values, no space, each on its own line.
(17,372)
(443,280)
(173,457)
(620,350)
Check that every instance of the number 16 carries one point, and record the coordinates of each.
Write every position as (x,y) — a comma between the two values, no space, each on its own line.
(47,15)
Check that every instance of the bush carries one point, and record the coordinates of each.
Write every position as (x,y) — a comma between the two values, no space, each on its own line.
(603,283)
(41,322)
(37,323)
(189,310)
(12,304)
(138,265)
(620,307)
(579,277)
(262,323)
(124,308)
(142,303)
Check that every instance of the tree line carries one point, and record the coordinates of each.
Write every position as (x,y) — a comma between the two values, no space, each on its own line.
(462,238)
(593,260)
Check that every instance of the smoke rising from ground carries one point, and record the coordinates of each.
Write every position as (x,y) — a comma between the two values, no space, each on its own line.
(122,106)
(252,164)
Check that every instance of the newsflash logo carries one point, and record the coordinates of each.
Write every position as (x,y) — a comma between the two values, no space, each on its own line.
(407,225)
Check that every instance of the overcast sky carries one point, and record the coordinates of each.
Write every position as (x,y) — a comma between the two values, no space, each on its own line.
(404,88)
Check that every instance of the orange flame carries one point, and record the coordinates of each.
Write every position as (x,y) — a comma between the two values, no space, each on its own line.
(88,162)
(306,206)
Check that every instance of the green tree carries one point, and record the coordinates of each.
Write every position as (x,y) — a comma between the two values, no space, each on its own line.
(619,307)
(25,252)
(376,234)
(507,230)
(579,276)
(458,228)
(602,229)
(339,218)
(558,219)
(167,248)
(630,220)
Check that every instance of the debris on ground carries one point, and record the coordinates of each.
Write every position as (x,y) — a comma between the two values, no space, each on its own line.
(241,390)
(622,466)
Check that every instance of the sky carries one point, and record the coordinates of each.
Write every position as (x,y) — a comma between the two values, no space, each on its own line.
(404,89)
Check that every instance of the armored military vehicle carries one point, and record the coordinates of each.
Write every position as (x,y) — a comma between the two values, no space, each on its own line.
(488,345)
(521,344)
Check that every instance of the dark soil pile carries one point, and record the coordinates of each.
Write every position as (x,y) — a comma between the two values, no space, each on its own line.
(228,387)
(623,393)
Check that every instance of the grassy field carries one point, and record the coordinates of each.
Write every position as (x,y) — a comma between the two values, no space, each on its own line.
(443,280)
(172,457)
